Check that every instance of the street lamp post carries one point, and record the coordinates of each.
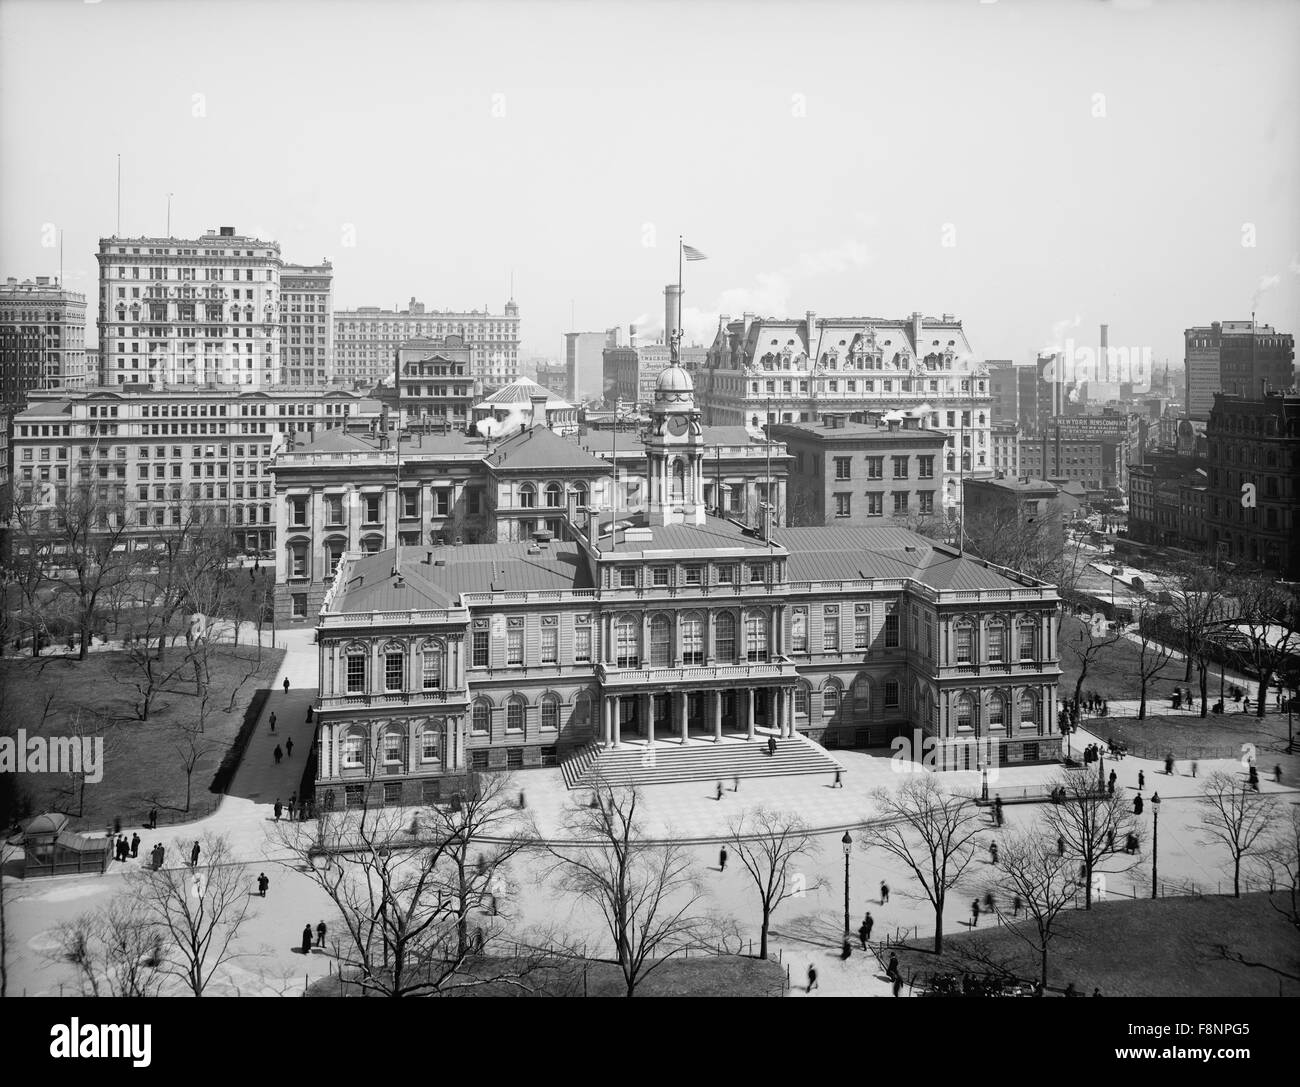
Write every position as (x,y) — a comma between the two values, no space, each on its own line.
(1155,840)
(984,783)
(847,842)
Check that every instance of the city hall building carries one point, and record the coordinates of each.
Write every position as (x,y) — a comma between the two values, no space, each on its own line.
(673,627)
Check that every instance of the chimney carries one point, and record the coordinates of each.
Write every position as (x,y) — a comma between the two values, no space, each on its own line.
(227,232)
(916,331)
(811,318)
(631,336)
(538,402)
(1104,360)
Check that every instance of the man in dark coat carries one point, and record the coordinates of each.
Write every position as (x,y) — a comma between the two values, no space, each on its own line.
(194,856)
(320,934)
(771,745)
(135,845)
(272,720)
(153,818)
(722,859)
(262,884)
(277,809)
(278,754)
(288,748)
(306,929)
(286,684)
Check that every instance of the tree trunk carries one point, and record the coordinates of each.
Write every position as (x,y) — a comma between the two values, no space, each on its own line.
(762,937)
(1205,678)
(1087,884)
(1236,877)
(85,642)
(1042,962)
(938,927)
(1187,671)
(1264,678)
(1142,704)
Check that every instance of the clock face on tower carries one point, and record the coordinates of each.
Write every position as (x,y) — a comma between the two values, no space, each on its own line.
(677,425)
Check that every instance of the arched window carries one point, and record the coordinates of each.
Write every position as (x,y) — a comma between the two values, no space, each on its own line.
(527,496)
(963,640)
(626,649)
(725,636)
(353,752)
(830,700)
(334,548)
(951,461)
(661,641)
(393,747)
(394,666)
(355,672)
(431,666)
(692,628)
(962,713)
(554,496)
(997,636)
(581,717)
(550,713)
(756,637)
(1027,638)
(1028,710)
(515,715)
(481,719)
(431,743)
(861,696)
(580,494)
(997,712)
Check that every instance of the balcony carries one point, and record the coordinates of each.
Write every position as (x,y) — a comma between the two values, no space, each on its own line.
(455,697)
(779,669)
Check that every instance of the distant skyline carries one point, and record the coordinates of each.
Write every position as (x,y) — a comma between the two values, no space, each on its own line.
(1093,162)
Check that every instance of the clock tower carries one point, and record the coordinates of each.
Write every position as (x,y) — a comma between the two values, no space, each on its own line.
(675,452)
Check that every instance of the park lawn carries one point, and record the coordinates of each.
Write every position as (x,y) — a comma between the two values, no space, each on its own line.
(705,975)
(1183,946)
(142,764)
(1113,672)
(1188,736)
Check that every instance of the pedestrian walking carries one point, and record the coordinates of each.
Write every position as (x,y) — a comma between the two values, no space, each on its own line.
(1253,778)
(1195,766)
(288,748)
(735,784)
(158,854)
(277,809)
(273,720)
(1137,805)
(997,810)
(194,856)
(993,852)
(771,746)
(293,800)
(278,754)
(286,684)
(898,985)
(975,913)
(868,923)
(135,846)
(1110,784)
(719,796)
(1142,780)
(990,903)
(153,818)
(863,934)
(1169,765)
(1060,845)
(262,884)
(884,893)
(891,971)
(306,929)
(812,977)
(722,859)
(1015,905)
(1277,774)
(320,934)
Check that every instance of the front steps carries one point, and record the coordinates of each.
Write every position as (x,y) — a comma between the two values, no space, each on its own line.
(669,762)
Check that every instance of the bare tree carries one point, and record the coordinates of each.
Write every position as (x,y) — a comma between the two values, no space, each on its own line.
(1234,816)
(647,892)
(1154,652)
(116,951)
(1268,618)
(1092,824)
(932,831)
(1200,608)
(190,750)
(1280,860)
(1086,640)
(404,900)
(1031,868)
(199,910)
(771,845)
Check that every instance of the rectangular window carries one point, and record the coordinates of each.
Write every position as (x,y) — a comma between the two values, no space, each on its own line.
(356,673)
(963,644)
(299,605)
(726,575)
(861,625)
(875,504)
(925,467)
(393,671)
(627,577)
(891,631)
(757,573)
(297,511)
(550,639)
(694,575)
(875,467)
(926,501)
(582,643)
(515,642)
(480,649)
(660,575)
(372,508)
(843,467)
(830,627)
(799,630)
(1028,647)
(891,694)
(410,504)
(900,501)
(900,467)
(842,507)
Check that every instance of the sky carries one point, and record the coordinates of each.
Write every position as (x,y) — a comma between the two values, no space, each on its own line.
(1036,167)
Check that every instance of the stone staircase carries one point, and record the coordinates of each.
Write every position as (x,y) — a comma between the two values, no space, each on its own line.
(670,762)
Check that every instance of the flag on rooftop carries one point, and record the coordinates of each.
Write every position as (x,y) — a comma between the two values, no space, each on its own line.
(692,254)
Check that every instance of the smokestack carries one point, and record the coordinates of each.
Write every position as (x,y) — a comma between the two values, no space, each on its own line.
(631,335)
(672,310)
(1104,359)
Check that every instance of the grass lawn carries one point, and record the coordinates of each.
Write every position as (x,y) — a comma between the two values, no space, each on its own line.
(142,759)
(1211,946)
(1113,672)
(707,975)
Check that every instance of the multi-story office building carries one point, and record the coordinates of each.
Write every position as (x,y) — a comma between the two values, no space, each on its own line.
(630,372)
(1005,438)
(1254,456)
(863,473)
(555,378)
(366,340)
(435,383)
(1162,492)
(307,324)
(156,456)
(793,371)
(1238,357)
(202,311)
(680,628)
(583,352)
(42,339)
(1004,390)
(1099,464)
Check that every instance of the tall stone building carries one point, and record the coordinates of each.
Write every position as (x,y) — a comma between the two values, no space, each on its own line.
(761,370)
(307,324)
(1238,357)
(366,340)
(42,339)
(203,311)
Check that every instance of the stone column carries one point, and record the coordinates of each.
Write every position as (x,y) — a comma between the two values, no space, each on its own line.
(683,702)
(648,718)
(749,712)
(717,717)
(617,721)
(710,634)
(605,714)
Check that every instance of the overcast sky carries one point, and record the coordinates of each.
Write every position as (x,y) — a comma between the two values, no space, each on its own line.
(1023,164)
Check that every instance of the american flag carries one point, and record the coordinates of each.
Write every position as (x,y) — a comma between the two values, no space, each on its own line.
(692,254)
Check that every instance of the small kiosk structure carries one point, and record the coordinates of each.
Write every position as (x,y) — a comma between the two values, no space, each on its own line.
(50,849)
